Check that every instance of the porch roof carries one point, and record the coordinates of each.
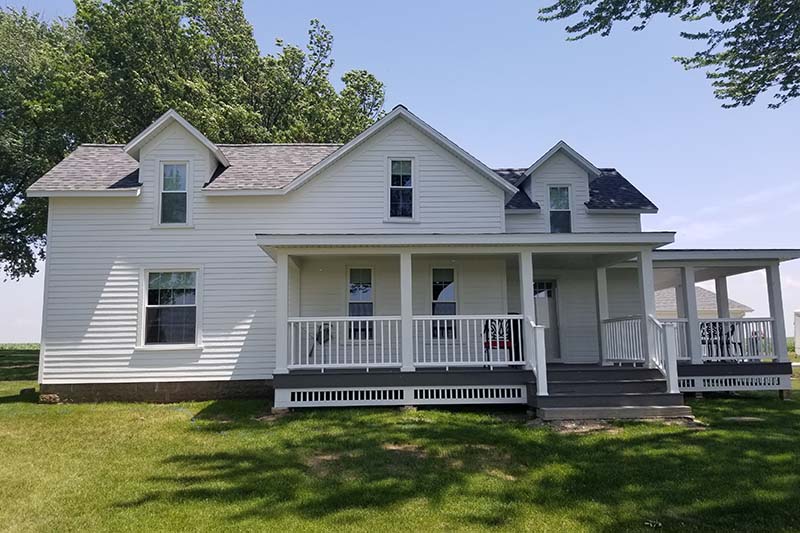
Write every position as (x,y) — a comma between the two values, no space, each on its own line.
(494,242)
(711,264)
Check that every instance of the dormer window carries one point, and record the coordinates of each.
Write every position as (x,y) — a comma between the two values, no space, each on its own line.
(560,212)
(174,194)
(401,189)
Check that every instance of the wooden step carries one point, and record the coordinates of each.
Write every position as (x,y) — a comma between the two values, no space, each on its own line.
(632,399)
(599,373)
(593,413)
(601,386)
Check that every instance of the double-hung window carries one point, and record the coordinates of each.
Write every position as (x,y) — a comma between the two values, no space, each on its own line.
(171,308)
(360,302)
(443,281)
(174,193)
(401,189)
(560,213)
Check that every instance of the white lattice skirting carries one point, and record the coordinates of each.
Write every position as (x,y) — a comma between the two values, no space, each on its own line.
(733,383)
(377,396)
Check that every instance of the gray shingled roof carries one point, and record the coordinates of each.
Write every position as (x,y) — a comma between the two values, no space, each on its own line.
(610,190)
(91,167)
(267,166)
(706,301)
(97,167)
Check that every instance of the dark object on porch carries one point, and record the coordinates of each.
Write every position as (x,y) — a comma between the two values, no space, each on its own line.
(498,334)
(323,336)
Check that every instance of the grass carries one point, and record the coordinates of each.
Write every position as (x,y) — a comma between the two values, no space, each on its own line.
(227,465)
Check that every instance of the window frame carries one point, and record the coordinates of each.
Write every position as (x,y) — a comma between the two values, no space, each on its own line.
(414,190)
(571,211)
(160,194)
(144,276)
(434,332)
(348,301)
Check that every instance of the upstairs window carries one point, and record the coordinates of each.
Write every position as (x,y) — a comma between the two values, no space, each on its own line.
(360,302)
(401,189)
(174,197)
(560,213)
(171,308)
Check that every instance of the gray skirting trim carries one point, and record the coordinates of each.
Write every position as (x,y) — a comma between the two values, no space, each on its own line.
(420,378)
(734,369)
(162,392)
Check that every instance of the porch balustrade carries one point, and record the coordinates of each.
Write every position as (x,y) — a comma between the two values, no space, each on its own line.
(344,342)
(375,342)
(468,341)
(729,339)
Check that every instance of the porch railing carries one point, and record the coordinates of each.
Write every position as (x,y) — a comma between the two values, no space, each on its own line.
(494,340)
(622,340)
(681,336)
(736,339)
(663,351)
(344,342)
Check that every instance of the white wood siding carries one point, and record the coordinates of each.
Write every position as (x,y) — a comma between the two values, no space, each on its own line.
(623,292)
(577,308)
(561,170)
(98,248)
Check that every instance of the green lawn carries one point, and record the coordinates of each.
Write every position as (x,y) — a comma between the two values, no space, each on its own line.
(209,466)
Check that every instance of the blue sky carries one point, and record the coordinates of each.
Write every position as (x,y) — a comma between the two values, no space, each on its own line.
(506,87)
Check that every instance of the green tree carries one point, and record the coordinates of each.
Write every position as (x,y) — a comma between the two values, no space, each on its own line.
(108,72)
(752,46)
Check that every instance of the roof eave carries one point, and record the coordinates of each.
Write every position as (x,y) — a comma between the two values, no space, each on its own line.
(621,210)
(112,193)
(243,192)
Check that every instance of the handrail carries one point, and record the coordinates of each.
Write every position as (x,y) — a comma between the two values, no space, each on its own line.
(539,360)
(341,318)
(621,319)
(662,352)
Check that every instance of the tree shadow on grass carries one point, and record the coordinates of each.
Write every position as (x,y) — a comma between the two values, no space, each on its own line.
(337,465)
(19,365)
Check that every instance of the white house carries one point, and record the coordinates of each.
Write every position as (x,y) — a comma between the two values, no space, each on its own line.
(395,269)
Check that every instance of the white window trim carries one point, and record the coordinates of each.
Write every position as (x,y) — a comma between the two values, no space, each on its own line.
(548,186)
(414,191)
(347,299)
(455,289)
(347,287)
(160,189)
(144,275)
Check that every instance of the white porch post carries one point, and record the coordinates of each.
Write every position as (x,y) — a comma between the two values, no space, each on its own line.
(406,314)
(723,304)
(690,312)
(776,311)
(602,308)
(533,337)
(648,297)
(282,313)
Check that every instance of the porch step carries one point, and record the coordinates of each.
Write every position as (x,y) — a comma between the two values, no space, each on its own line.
(588,413)
(600,373)
(628,399)
(601,386)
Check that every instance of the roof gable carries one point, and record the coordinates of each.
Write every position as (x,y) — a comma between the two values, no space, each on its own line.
(400,112)
(562,147)
(134,146)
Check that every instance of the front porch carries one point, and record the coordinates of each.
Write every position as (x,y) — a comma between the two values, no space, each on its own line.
(486,324)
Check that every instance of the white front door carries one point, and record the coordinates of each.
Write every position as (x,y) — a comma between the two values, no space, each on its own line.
(545,298)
